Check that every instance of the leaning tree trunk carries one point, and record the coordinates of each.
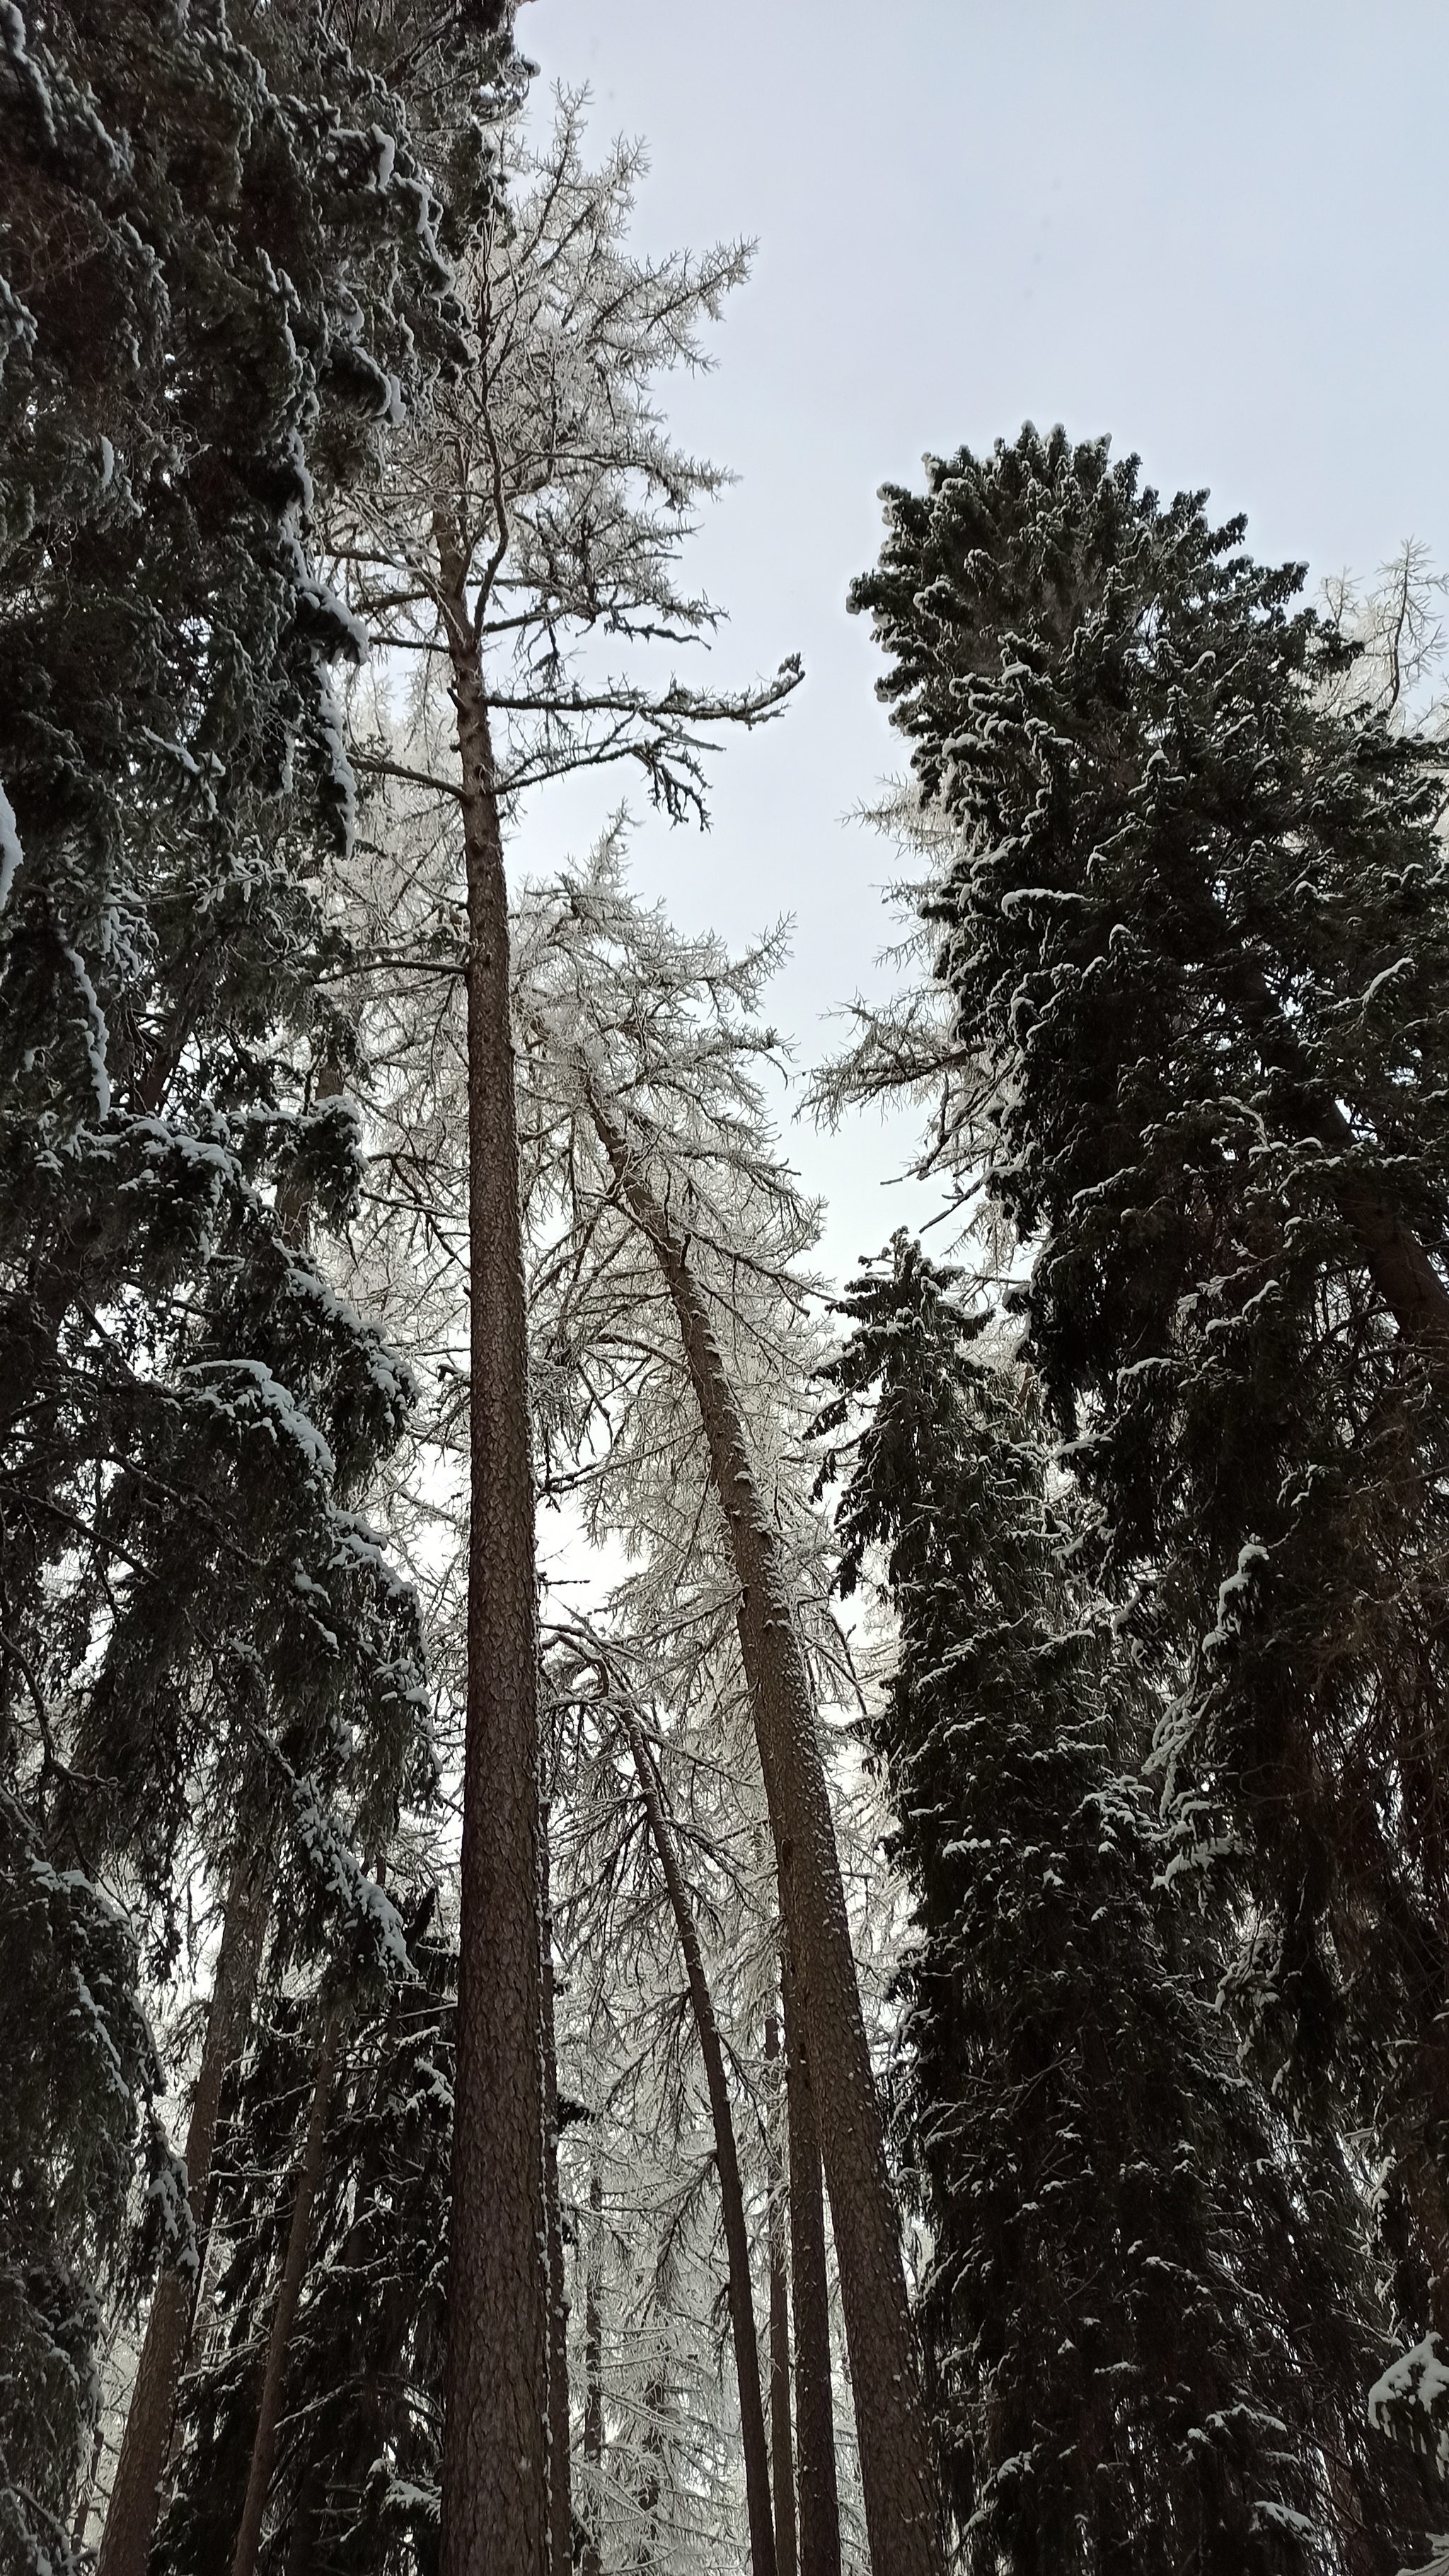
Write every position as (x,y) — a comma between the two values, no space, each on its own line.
(814,2393)
(727,2164)
(135,2496)
(898,2479)
(284,2314)
(782,2465)
(495,2504)
(560,2501)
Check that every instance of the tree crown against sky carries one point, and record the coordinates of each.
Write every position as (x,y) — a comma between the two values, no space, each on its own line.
(1184,903)
(202,1414)
(550,466)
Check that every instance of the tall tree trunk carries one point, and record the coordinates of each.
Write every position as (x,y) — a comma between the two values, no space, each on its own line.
(88,2484)
(651,2485)
(727,2163)
(495,2507)
(782,2465)
(593,2382)
(814,2395)
(560,2502)
(284,2314)
(902,2511)
(135,2499)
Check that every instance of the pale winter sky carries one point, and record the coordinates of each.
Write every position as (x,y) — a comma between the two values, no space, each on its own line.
(1216,230)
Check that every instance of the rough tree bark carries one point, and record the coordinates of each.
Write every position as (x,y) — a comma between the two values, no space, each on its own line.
(727,2163)
(903,2519)
(816,2483)
(782,2465)
(495,2508)
(560,2501)
(135,2495)
(289,2290)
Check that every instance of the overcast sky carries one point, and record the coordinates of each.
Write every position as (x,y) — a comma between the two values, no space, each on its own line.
(1215,230)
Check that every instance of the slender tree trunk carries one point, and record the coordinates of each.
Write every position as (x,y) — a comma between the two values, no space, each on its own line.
(651,2485)
(727,2164)
(814,2395)
(88,2485)
(593,2383)
(284,2315)
(495,2508)
(903,2519)
(135,2502)
(782,2465)
(302,2538)
(560,2502)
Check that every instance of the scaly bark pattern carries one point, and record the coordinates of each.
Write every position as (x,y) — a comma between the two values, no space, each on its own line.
(495,2512)
(817,2484)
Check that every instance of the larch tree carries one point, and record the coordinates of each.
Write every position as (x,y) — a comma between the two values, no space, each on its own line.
(616,1419)
(642,1038)
(538,512)
(663,1836)
(659,1873)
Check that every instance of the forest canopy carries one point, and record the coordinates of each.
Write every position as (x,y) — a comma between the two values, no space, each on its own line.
(659,1912)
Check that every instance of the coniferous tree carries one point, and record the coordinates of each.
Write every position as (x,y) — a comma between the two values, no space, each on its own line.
(1142,2352)
(220,286)
(82,2071)
(616,1422)
(644,1039)
(615,1695)
(538,508)
(355,2484)
(1190,909)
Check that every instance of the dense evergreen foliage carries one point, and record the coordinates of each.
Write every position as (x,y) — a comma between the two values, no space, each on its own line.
(356,2483)
(1192,915)
(353,1198)
(1146,2329)
(81,2063)
(220,286)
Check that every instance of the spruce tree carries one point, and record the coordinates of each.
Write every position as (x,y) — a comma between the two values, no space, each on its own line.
(355,2488)
(1190,910)
(81,2071)
(1141,2352)
(220,288)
